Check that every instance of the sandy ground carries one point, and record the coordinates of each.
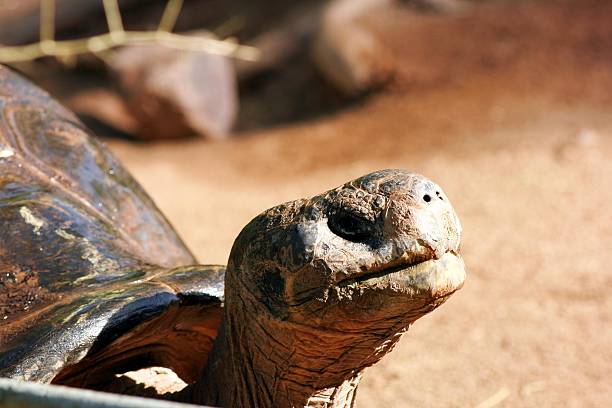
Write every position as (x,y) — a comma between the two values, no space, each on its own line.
(510,110)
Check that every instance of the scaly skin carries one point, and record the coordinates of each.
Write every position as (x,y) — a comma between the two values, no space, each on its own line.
(317,290)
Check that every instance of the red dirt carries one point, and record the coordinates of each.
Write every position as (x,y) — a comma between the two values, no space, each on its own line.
(510,110)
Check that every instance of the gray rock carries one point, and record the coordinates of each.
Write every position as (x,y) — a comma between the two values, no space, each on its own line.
(346,52)
(174,93)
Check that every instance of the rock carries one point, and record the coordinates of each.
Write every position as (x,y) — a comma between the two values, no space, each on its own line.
(105,106)
(174,93)
(347,52)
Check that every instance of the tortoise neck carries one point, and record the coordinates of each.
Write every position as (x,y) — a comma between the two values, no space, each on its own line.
(259,362)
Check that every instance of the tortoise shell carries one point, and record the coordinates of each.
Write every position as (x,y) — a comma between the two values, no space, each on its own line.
(84,252)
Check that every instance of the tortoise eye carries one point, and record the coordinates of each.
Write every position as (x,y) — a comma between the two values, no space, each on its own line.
(350,226)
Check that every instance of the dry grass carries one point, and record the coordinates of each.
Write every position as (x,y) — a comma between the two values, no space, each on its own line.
(48,46)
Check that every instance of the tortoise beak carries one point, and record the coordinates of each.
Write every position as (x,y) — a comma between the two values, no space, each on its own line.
(433,278)
(438,277)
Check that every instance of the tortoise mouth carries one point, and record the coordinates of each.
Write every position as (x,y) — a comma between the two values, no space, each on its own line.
(437,277)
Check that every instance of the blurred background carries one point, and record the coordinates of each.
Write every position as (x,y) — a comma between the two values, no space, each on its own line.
(506,104)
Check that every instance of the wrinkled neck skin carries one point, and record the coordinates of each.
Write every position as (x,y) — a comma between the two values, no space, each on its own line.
(261,362)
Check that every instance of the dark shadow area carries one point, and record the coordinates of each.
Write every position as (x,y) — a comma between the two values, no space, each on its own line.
(102,128)
(292,93)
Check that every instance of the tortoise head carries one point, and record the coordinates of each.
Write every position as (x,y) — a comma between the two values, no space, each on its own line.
(373,255)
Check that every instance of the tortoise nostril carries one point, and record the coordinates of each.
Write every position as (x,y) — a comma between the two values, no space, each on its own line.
(427,198)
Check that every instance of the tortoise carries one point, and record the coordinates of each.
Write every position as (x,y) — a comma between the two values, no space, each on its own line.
(96,282)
